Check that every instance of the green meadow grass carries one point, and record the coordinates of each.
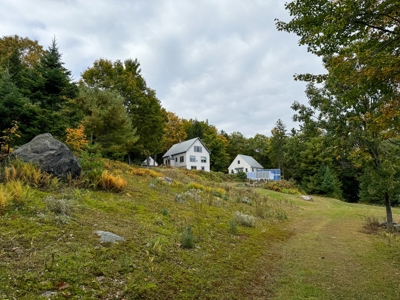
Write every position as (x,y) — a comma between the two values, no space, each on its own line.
(48,251)
(186,243)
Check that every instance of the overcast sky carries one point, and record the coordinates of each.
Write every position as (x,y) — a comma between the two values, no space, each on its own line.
(216,60)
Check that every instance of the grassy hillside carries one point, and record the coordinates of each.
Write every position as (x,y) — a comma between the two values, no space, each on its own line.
(203,236)
(196,238)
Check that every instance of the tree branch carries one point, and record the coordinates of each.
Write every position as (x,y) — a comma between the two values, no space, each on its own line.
(375,27)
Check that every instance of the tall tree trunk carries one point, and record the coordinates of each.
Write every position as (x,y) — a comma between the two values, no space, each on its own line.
(389,217)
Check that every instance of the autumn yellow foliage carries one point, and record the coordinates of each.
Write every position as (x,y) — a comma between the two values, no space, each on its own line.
(144,172)
(76,138)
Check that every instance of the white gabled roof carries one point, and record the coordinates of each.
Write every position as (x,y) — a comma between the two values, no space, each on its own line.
(251,161)
(183,147)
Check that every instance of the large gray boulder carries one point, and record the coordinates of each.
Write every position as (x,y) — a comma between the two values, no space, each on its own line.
(50,154)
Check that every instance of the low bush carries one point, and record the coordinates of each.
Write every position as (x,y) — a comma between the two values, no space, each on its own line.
(241,176)
(109,182)
(219,192)
(187,238)
(244,220)
(371,224)
(283,186)
(144,172)
(195,185)
(232,226)
(29,174)
(58,206)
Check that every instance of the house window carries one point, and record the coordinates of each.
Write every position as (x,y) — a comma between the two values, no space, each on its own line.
(203,169)
(246,169)
(197,149)
(203,159)
(182,159)
(192,158)
(238,162)
(193,168)
(176,159)
(232,171)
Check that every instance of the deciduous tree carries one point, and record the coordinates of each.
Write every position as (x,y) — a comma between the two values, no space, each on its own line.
(143,107)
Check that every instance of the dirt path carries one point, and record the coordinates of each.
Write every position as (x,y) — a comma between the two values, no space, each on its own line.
(329,255)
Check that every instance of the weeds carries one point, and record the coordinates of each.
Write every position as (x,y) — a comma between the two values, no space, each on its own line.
(109,182)
(58,206)
(164,211)
(195,186)
(144,172)
(232,226)
(156,247)
(187,238)
(244,220)
(30,174)
(371,224)
(283,186)
(4,197)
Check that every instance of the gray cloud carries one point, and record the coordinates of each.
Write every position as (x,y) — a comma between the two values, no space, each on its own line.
(223,61)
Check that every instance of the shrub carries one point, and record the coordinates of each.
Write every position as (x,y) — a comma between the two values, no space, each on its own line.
(195,185)
(232,225)
(219,192)
(109,182)
(144,172)
(92,168)
(58,206)
(241,176)
(28,173)
(283,186)
(164,211)
(16,191)
(245,220)
(187,238)
(371,224)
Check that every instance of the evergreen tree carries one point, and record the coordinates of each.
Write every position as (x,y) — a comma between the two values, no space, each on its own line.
(12,103)
(55,81)
(276,146)
(50,88)
(106,121)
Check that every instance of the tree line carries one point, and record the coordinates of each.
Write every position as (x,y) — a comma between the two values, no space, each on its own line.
(346,146)
(110,107)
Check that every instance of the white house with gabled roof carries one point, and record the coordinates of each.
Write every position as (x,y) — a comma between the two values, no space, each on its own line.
(244,163)
(191,154)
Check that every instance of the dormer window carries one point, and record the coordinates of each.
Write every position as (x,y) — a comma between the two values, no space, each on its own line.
(238,162)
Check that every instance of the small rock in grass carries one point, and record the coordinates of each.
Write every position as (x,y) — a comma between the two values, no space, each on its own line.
(307,198)
(48,294)
(168,179)
(108,237)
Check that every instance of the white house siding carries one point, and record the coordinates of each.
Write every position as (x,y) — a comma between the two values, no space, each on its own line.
(239,164)
(198,164)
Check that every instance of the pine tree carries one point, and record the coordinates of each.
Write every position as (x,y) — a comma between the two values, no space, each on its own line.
(55,81)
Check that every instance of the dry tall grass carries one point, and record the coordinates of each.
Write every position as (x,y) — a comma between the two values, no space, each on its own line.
(109,182)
